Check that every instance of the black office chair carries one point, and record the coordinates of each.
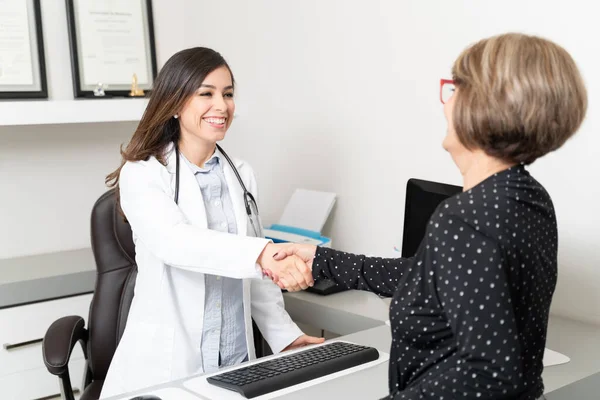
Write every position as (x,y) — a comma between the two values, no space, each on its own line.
(116,272)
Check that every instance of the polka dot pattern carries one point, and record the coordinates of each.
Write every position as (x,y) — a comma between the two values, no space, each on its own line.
(469,312)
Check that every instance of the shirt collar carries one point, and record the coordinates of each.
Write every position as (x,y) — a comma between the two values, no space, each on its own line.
(171,163)
(213,162)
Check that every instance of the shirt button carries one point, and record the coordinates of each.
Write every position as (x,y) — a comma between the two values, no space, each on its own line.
(218,305)
(218,278)
(217,203)
(223,224)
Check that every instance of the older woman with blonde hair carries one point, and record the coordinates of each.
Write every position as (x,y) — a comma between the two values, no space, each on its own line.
(469,312)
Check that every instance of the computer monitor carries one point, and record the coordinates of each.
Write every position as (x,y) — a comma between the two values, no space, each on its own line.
(422,198)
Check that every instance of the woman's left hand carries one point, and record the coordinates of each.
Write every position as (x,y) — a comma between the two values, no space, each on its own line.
(304,340)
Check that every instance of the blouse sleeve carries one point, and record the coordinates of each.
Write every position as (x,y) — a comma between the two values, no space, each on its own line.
(373,274)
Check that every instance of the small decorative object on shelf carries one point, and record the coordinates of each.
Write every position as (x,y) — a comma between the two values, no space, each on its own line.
(135,90)
(99,90)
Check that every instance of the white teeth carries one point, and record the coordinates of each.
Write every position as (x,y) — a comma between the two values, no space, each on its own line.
(215,120)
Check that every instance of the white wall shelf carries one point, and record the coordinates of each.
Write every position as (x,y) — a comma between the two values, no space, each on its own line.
(70,111)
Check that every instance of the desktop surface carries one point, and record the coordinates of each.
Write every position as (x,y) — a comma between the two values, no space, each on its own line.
(579,340)
(358,315)
(348,386)
(584,389)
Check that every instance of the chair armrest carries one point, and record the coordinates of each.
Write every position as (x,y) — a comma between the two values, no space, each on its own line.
(59,341)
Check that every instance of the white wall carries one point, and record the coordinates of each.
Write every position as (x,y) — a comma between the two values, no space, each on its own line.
(333,95)
(342,96)
(52,174)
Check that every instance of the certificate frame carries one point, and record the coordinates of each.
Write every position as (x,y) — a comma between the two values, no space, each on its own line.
(38,88)
(82,85)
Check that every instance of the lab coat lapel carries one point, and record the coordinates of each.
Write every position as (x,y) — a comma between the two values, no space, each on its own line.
(190,197)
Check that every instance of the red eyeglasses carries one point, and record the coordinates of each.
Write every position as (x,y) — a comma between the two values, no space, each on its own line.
(447,87)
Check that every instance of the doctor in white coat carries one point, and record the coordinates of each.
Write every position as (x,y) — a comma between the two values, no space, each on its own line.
(201,260)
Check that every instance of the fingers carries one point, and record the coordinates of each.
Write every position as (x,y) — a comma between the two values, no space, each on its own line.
(299,279)
(284,252)
(282,283)
(305,252)
(268,273)
(304,340)
(313,340)
(291,273)
(275,278)
(298,275)
(288,282)
(306,270)
(305,279)
(269,266)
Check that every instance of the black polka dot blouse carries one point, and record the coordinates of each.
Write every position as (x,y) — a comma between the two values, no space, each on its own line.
(469,312)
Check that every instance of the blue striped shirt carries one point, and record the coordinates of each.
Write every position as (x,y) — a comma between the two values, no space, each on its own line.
(223,335)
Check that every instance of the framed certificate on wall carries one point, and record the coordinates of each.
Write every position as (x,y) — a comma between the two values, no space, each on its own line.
(112,47)
(22,63)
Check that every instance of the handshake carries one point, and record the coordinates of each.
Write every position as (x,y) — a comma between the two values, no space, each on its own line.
(288,265)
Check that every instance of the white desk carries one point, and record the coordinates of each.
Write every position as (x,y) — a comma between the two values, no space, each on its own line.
(44,277)
(360,316)
(351,312)
(580,342)
(372,383)
(366,313)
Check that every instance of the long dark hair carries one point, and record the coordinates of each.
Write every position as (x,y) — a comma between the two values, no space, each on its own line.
(177,80)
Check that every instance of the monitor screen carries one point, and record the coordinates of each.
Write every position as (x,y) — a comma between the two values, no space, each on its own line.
(422,198)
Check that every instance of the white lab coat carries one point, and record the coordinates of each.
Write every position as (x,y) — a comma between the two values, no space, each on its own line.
(174,249)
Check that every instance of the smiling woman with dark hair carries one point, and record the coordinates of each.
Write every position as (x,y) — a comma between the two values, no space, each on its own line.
(469,312)
(198,237)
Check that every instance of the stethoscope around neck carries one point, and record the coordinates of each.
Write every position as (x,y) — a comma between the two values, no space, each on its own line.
(249,202)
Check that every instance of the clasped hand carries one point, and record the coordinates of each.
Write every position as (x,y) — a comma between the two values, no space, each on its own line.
(289,266)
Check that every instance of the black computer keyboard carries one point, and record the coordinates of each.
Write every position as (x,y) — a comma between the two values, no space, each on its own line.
(295,368)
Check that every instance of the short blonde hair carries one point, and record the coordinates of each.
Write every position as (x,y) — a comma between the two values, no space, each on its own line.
(519,97)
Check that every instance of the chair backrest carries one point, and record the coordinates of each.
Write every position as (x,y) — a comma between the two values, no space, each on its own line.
(114,253)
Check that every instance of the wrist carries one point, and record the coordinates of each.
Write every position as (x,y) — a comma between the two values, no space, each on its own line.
(264,254)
